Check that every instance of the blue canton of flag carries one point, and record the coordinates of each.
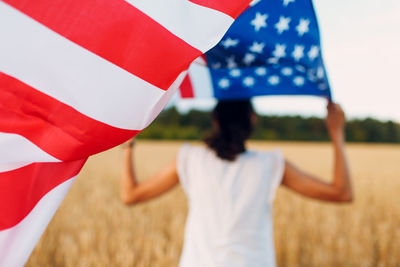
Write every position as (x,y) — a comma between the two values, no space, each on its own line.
(273,48)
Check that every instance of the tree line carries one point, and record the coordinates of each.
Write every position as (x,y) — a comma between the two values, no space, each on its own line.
(195,124)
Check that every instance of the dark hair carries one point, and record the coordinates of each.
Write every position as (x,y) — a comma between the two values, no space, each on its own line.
(233,126)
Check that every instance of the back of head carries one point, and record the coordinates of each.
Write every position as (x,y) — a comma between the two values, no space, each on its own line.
(232,127)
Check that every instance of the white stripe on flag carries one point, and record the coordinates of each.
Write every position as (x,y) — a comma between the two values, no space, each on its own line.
(201,80)
(14,252)
(180,17)
(17,151)
(73,75)
(12,166)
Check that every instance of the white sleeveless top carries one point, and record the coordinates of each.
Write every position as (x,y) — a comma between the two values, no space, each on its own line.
(230,207)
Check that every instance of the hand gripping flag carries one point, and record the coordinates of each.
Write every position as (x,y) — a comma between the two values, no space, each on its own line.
(273,48)
(77,78)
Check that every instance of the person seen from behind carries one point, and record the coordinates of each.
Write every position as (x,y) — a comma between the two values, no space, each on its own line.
(230,189)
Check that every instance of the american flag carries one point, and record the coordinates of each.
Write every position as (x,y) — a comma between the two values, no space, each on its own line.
(273,48)
(77,78)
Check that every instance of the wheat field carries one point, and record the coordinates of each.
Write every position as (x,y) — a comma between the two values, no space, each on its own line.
(93,228)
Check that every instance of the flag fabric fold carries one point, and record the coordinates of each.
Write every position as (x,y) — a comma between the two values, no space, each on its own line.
(80,77)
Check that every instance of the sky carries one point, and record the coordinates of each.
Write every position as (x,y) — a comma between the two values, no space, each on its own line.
(361,49)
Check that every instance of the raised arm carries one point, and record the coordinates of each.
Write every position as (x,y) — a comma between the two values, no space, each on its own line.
(339,190)
(134,192)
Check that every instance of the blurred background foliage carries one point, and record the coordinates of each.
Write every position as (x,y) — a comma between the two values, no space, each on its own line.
(195,124)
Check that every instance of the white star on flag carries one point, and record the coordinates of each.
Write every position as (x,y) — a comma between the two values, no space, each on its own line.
(274,80)
(273,60)
(320,73)
(230,42)
(298,52)
(322,86)
(298,81)
(257,47)
(283,24)
(302,27)
(300,68)
(216,65)
(249,58)
(279,51)
(259,21)
(224,83)
(248,81)
(311,76)
(230,62)
(235,73)
(261,71)
(287,2)
(313,53)
(287,71)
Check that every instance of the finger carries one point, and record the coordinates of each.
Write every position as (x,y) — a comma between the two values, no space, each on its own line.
(338,108)
(330,107)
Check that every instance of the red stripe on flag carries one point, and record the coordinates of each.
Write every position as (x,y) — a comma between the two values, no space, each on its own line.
(118,32)
(21,189)
(56,128)
(232,8)
(204,57)
(186,88)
